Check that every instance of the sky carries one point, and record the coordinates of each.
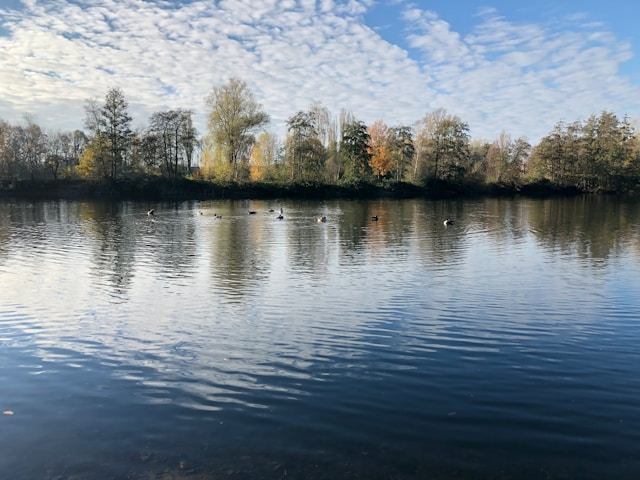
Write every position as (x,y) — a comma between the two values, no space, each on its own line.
(499,65)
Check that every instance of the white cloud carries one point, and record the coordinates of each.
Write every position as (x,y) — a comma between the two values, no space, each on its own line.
(521,78)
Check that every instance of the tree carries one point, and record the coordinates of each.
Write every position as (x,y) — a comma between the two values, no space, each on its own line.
(188,139)
(93,161)
(354,151)
(146,152)
(609,148)
(32,146)
(498,157)
(305,153)
(110,128)
(599,153)
(548,154)
(402,150)
(117,124)
(380,147)
(234,116)
(443,145)
(476,166)
(264,157)
(175,136)
(8,156)
(58,151)
(520,154)
(79,140)
(505,159)
(320,118)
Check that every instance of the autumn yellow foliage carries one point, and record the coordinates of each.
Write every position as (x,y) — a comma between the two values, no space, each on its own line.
(381,159)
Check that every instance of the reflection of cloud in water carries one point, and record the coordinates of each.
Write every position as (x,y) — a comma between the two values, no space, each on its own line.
(242,310)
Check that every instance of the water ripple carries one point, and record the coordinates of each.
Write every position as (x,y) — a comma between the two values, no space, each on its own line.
(499,345)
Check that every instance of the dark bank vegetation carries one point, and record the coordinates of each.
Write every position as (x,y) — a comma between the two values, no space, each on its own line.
(322,155)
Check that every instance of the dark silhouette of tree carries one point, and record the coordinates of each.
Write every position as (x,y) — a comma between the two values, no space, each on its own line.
(175,139)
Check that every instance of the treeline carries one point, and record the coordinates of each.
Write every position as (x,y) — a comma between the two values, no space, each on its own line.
(601,153)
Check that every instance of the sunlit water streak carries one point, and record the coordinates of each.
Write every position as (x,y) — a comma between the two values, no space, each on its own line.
(247,347)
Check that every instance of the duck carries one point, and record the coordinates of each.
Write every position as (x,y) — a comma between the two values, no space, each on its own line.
(374,218)
(251,212)
(321,219)
(280,217)
(200,212)
(448,222)
(151,213)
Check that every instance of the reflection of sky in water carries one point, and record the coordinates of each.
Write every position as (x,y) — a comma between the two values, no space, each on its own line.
(139,283)
(251,313)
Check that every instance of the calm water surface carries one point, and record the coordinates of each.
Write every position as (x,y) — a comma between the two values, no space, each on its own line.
(186,346)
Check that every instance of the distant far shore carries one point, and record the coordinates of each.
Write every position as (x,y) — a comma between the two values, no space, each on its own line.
(158,188)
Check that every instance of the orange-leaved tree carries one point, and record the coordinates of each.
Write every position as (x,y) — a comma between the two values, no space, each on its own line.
(381,159)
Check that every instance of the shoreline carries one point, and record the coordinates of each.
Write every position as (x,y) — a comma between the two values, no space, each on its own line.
(150,188)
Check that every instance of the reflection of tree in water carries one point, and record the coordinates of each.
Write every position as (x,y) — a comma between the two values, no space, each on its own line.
(172,245)
(374,223)
(437,245)
(308,249)
(309,243)
(36,226)
(592,227)
(353,222)
(407,227)
(5,230)
(106,223)
(239,255)
(22,225)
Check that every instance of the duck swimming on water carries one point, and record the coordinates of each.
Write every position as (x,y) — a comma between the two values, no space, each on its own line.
(448,222)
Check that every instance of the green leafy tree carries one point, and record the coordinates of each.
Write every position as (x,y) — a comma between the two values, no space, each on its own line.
(354,150)
(599,153)
(234,117)
(609,150)
(305,153)
(402,150)
(443,142)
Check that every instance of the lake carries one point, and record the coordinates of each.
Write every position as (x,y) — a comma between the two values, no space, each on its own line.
(205,342)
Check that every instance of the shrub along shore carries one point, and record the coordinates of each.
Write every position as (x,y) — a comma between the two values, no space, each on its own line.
(160,188)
